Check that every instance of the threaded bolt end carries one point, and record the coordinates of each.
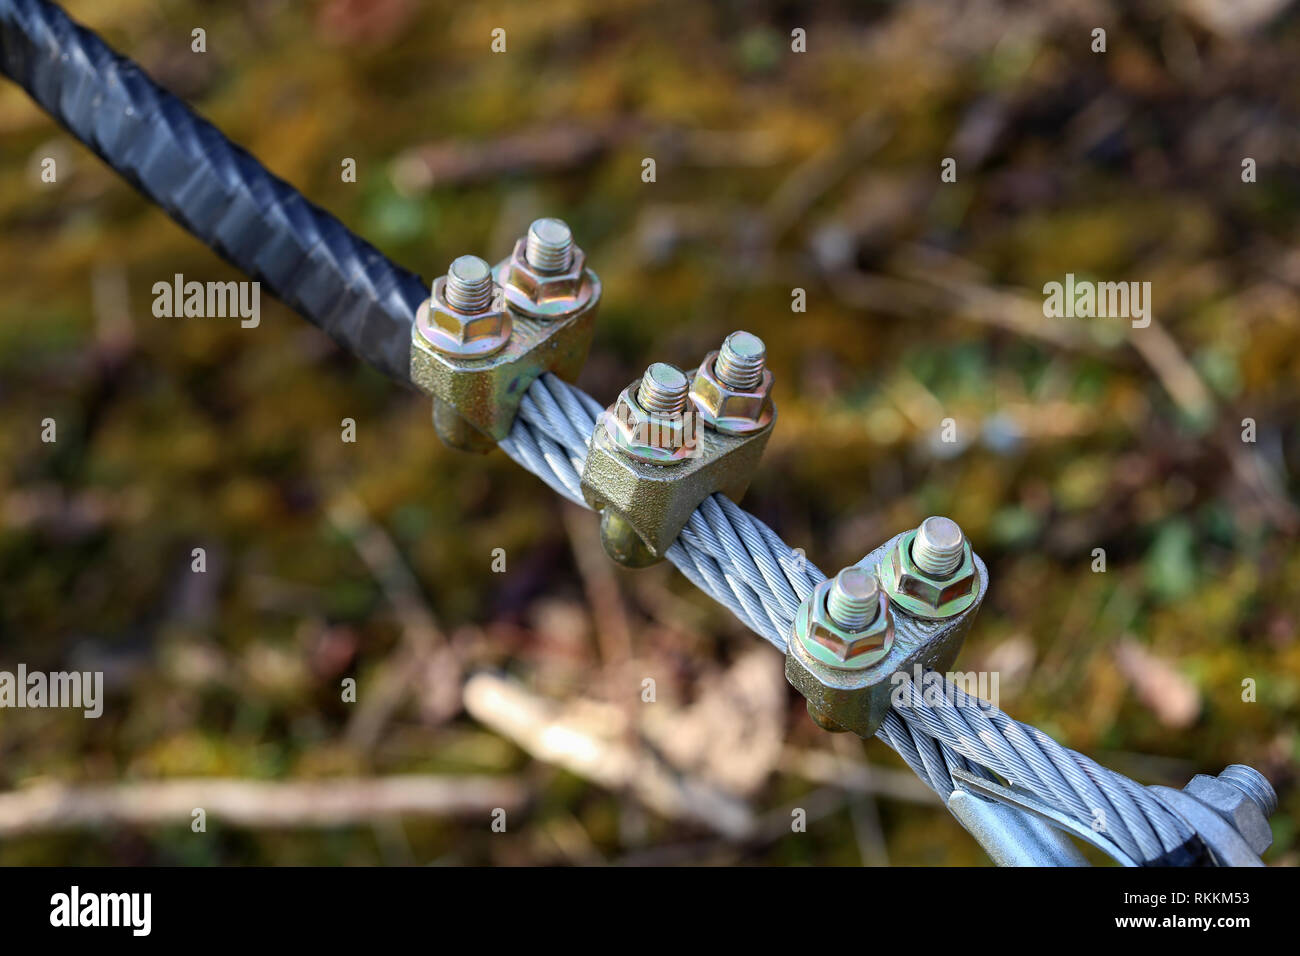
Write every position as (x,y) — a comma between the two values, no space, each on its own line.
(740,361)
(664,390)
(939,546)
(469,285)
(854,599)
(549,246)
(1253,784)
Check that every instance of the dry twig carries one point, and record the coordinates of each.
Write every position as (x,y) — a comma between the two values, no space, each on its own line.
(249,803)
(586,739)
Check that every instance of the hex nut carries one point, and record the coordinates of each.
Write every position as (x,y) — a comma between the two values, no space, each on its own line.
(458,334)
(836,646)
(1234,806)
(925,595)
(729,410)
(656,439)
(545,295)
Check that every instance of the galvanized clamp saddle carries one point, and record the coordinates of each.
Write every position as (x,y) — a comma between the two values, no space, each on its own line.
(486,333)
(672,439)
(908,604)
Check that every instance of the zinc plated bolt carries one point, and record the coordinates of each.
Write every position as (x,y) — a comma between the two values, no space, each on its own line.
(653,421)
(469,284)
(845,623)
(853,601)
(1243,797)
(1253,784)
(930,572)
(546,276)
(549,246)
(1229,813)
(464,320)
(732,391)
(938,546)
(653,426)
(663,391)
(740,361)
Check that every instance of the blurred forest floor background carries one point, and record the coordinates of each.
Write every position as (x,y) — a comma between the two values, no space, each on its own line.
(775,170)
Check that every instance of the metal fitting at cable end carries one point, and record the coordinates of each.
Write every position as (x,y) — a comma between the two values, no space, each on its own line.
(658,451)
(1229,813)
(475,348)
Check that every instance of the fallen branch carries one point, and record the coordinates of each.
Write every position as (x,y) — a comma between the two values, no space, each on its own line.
(249,803)
(588,744)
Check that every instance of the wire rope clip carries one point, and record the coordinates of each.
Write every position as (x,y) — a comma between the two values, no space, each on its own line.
(854,644)
(672,439)
(485,334)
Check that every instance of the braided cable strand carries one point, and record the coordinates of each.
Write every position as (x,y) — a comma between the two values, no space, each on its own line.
(741,563)
(725,551)
(349,289)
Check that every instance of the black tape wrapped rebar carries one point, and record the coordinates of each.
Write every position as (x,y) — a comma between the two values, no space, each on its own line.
(212,187)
